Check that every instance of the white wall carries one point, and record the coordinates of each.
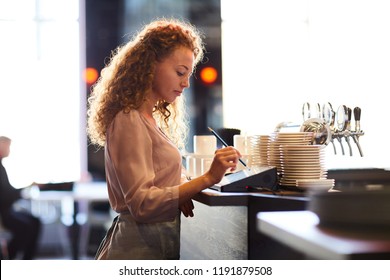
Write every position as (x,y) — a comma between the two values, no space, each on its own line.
(279,54)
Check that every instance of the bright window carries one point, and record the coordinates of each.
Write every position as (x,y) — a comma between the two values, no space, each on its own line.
(280,54)
(40,94)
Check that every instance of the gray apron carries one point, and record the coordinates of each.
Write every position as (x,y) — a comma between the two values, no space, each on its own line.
(127,239)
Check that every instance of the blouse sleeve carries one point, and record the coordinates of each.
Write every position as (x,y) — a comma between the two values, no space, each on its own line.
(129,148)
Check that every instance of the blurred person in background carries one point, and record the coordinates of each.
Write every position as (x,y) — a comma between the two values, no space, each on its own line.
(136,112)
(24,227)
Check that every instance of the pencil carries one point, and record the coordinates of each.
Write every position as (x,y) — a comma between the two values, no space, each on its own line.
(224,143)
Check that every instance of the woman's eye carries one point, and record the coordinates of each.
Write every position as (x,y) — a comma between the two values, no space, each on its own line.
(180,74)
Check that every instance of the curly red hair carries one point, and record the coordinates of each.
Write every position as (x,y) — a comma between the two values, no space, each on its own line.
(129,75)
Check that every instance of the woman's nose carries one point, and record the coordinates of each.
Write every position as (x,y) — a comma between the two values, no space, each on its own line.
(185,83)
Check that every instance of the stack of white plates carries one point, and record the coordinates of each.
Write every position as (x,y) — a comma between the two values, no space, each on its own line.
(259,150)
(279,139)
(315,184)
(302,162)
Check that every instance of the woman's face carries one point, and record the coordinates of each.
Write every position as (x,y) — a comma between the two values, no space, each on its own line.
(172,75)
(4,148)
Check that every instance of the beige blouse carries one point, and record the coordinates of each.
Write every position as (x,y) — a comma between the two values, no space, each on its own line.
(143,169)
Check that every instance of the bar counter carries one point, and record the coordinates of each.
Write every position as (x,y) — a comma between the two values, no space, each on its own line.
(301,230)
(224,225)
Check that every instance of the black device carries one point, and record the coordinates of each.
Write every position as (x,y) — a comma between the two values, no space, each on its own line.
(249,180)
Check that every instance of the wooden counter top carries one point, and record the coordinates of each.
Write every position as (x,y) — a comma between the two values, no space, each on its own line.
(215,198)
(301,230)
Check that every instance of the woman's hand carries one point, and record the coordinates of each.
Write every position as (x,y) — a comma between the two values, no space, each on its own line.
(225,159)
(186,208)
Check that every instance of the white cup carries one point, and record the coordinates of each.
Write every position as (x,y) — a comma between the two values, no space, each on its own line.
(241,143)
(205,144)
(190,166)
(193,166)
(205,164)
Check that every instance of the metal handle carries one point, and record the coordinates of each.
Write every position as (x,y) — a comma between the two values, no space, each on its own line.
(357,114)
(342,117)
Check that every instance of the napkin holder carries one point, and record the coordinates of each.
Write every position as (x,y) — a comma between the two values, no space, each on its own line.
(249,180)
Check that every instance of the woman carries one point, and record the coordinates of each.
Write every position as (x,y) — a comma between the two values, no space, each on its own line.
(136,114)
